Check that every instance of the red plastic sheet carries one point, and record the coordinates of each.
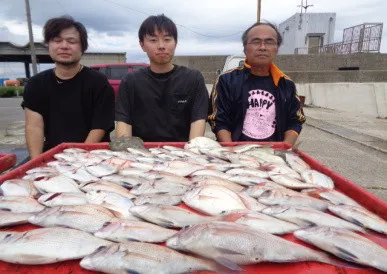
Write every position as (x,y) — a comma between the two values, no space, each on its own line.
(354,191)
(7,161)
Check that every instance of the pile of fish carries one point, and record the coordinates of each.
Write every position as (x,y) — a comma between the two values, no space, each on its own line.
(223,207)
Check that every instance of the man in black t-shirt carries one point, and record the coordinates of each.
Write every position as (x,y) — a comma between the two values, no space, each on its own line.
(70,103)
(163,102)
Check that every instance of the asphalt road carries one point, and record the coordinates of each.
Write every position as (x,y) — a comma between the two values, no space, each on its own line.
(360,164)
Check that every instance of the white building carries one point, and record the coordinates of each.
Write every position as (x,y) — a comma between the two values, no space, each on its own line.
(305,32)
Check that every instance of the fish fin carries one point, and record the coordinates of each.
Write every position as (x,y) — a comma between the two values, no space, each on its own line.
(5,209)
(166,222)
(131,271)
(227,263)
(347,255)
(229,251)
(132,240)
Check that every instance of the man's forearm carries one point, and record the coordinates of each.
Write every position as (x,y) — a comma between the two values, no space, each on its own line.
(224,135)
(123,129)
(290,137)
(197,129)
(95,136)
(34,140)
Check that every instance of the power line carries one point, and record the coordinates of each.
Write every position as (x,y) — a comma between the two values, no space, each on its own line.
(180,25)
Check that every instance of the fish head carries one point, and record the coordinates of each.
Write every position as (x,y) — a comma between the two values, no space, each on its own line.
(100,256)
(40,216)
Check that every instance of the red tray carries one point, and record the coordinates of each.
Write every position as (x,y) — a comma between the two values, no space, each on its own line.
(7,161)
(357,193)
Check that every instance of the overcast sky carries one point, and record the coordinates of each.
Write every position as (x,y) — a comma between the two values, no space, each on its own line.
(205,27)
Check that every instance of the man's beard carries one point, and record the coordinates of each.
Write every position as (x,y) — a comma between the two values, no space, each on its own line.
(69,63)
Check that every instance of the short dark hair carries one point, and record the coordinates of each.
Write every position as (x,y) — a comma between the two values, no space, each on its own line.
(54,26)
(274,27)
(159,23)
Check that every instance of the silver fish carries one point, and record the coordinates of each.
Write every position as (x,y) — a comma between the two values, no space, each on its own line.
(212,180)
(168,216)
(89,218)
(18,187)
(256,190)
(106,186)
(292,198)
(58,183)
(20,204)
(66,198)
(317,178)
(8,218)
(360,216)
(345,244)
(160,186)
(239,244)
(305,217)
(80,175)
(290,182)
(331,195)
(161,199)
(111,200)
(102,169)
(143,258)
(248,172)
(259,221)
(124,181)
(213,199)
(48,245)
(295,162)
(126,231)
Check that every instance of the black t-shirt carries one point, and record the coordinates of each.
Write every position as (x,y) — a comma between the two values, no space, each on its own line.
(260,113)
(71,108)
(161,107)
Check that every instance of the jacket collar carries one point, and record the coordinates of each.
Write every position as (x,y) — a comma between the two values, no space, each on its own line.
(275,72)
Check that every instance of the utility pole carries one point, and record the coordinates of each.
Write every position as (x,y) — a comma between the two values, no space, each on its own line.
(32,45)
(259,12)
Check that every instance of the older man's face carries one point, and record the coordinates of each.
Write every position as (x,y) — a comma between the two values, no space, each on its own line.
(262,46)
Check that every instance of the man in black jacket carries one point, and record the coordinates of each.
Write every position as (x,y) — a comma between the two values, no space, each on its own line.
(256,102)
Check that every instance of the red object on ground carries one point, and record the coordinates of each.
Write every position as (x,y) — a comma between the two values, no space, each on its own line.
(7,161)
(368,200)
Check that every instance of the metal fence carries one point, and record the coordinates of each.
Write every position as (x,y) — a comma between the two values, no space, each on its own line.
(366,37)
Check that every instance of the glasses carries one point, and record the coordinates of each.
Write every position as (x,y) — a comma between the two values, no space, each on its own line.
(269,43)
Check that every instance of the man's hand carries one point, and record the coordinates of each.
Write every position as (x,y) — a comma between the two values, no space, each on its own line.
(34,132)
(123,129)
(290,137)
(224,136)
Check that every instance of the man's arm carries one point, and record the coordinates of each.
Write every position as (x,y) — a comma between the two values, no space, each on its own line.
(95,136)
(123,129)
(220,111)
(34,132)
(224,135)
(291,137)
(295,119)
(197,129)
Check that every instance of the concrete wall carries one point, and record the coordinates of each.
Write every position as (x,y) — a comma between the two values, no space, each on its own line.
(362,98)
(312,68)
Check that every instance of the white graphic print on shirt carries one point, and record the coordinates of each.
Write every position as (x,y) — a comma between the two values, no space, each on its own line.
(260,115)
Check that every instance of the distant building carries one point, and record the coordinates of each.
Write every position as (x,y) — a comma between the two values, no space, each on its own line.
(304,33)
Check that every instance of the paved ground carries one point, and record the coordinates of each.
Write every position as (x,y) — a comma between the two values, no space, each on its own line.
(353,145)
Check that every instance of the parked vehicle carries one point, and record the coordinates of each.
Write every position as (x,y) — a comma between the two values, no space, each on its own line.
(231,62)
(115,72)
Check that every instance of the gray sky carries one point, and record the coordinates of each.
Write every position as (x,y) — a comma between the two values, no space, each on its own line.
(206,27)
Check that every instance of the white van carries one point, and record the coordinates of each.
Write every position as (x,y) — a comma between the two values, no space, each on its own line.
(231,62)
